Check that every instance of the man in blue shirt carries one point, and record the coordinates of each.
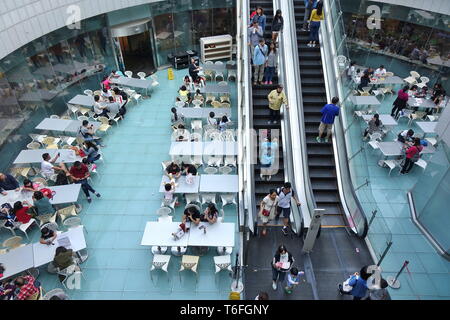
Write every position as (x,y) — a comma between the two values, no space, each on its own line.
(359,287)
(7,183)
(329,112)
(259,61)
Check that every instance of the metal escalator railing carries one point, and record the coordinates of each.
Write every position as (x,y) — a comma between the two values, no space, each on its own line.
(352,208)
(295,127)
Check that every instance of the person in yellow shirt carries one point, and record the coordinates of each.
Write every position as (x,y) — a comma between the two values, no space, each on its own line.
(314,24)
(184,93)
(276,98)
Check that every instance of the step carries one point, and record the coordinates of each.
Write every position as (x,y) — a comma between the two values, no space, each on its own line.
(320,162)
(316,100)
(314,91)
(312,72)
(311,108)
(323,184)
(263,124)
(322,173)
(333,221)
(330,208)
(277,177)
(320,150)
(322,196)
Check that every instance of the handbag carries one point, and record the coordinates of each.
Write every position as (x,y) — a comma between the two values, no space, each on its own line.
(266,212)
(345,285)
(48,193)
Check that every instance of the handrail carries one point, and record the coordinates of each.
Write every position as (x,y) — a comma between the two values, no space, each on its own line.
(295,117)
(245,115)
(356,216)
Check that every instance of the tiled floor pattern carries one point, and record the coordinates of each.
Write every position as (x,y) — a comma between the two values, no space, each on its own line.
(118,266)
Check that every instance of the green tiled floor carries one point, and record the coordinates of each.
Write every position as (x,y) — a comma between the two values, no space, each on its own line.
(387,194)
(118,266)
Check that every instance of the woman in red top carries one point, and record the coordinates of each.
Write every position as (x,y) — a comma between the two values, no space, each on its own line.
(106,83)
(21,212)
(412,155)
(400,102)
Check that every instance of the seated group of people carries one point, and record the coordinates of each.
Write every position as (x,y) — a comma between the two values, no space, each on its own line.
(112,102)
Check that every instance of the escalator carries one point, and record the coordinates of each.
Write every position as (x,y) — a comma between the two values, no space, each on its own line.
(321,163)
(261,118)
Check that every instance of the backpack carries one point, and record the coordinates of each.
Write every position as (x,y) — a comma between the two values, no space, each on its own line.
(416,156)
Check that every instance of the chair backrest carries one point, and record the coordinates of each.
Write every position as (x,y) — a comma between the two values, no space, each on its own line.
(222,83)
(414,74)
(129,74)
(341,59)
(225,170)
(141,75)
(44,218)
(210,170)
(12,242)
(33,145)
(53,292)
(51,225)
(196,136)
(72,222)
(154,77)
(163,211)
(192,205)
(88,92)
(103,120)
(82,118)
(375,136)
(424,80)
(54,116)
(219,63)
(41,181)
(209,62)
(389,74)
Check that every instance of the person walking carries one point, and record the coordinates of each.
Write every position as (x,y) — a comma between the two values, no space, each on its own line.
(400,103)
(285,195)
(259,61)
(80,173)
(271,64)
(277,26)
(281,264)
(255,34)
(267,209)
(276,98)
(412,155)
(357,284)
(314,24)
(309,6)
(329,112)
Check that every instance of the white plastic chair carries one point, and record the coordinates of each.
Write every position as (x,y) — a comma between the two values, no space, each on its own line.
(230,161)
(196,125)
(54,116)
(178,251)
(228,198)
(413,78)
(141,75)
(392,164)
(88,92)
(225,170)
(423,82)
(342,60)
(208,198)
(421,163)
(129,74)
(192,198)
(155,80)
(189,262)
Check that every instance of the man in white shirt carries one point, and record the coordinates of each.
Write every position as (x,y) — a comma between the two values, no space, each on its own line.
(380,72)
(99,109)
(47,167)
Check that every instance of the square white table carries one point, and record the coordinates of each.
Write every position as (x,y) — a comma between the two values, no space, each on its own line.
(217,235)
(82,100)
(220,148)
(214,88)
(186,148)
(35,156)
(44,253)
(72,126)
(386,119)
(198,113)
(395,149)
(421,103)
(160,234)
(133,82)
(427,126)
(182,186)
(17,260)
(219,183)
(365,100)
(63,194)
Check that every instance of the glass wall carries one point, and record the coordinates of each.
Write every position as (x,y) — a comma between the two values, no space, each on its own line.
(430,195)
(409,39)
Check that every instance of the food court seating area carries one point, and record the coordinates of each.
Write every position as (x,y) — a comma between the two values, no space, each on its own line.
(115,265)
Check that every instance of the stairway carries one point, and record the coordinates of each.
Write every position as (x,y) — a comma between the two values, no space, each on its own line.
(322,170)
(261,116)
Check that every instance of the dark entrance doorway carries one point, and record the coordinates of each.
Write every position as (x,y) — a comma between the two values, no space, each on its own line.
(137,53)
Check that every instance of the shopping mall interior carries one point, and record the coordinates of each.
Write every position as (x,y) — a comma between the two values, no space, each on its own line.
(324,125)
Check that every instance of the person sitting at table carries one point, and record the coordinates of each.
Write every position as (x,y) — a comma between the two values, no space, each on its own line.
(48,168)
(173,170)
(63,259)
(122,95)
(91,151)
(169,190)
(21,212)
(113,107)
(176,119)
(191,214)
(198,96)
(28,185)
(412,155)
(212,121)
(369,71)
(188,168)
(27,289)
(99,109)
(7,288)
(41,205)
(106,83)
(438,94)
(80,173)
(187,81)
(7,183)
(194,70)
(185,94)
(182,132)
(400,103)
(47,236)
(179,101)
(351,71)
(106,93)
(365,80)
(405,136)
(116,74)
(375,125)
(223,124)
(7,213)
(380,72)
(210,214)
